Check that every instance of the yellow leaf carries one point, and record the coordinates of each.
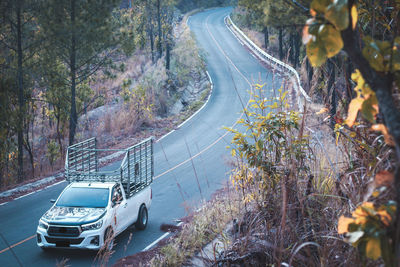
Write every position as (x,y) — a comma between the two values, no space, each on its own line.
(274,105)
(375,193)
(373,249)
(322,111)
(361,212)
(354,16)
(354,107)
(343,224)
(385,217)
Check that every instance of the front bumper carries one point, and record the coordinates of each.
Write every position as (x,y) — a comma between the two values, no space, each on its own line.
(90,239)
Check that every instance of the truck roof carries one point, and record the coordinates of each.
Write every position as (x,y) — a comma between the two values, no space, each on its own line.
(93,184)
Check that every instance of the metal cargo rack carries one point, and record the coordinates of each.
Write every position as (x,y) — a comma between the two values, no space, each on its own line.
(135,172)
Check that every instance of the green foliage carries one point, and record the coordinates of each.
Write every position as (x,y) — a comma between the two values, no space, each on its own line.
(322,33)
(130,25)
(138,100)
(269,140)
(271,144)
(382,55)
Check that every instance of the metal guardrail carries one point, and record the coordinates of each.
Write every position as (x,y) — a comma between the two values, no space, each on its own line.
(263,55)
(135,172)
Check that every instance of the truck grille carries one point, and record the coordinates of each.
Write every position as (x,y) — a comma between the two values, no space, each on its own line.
(63,242)
(63,231)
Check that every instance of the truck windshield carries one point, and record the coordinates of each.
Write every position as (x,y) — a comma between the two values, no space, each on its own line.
(84,197)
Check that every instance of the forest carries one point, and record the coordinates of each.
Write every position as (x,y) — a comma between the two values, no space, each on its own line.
(55,58)
(312,187)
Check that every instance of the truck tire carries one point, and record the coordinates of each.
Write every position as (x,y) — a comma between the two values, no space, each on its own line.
(108,239)
(142,219)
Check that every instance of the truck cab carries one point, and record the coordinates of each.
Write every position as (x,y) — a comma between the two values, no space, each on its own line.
(95,206)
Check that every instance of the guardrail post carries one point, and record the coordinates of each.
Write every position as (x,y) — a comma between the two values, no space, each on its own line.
(265,56)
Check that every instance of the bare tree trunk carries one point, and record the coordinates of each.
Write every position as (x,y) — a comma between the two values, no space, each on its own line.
(73,114)
(266,37)
(21,100)
(150,29)
(59,137)
(296,49)
(310,73)
(331,91)
(291,48)
(168,55)
(159,46)
(29,148)
(280,43)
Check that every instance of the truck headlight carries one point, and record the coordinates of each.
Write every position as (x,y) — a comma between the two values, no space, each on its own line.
(92,226)
(44,225)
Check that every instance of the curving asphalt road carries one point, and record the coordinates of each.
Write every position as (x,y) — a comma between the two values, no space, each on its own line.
(180,182)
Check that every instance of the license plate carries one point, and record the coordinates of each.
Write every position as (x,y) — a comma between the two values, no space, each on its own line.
(63,244)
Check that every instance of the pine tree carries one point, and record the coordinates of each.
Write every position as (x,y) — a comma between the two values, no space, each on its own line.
(18,45)
(81,35)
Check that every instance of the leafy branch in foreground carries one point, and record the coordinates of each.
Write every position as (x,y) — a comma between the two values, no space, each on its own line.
(335,26)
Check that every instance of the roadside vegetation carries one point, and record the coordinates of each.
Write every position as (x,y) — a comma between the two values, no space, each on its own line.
(318,186)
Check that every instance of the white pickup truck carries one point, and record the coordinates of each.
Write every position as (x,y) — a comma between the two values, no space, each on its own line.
(98,205)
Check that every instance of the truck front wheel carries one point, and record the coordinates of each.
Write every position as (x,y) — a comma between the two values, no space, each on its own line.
(142,219)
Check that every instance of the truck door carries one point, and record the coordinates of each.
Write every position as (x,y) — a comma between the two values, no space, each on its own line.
(119,206)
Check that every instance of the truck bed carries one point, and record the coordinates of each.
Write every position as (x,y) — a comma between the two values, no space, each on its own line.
(135,171)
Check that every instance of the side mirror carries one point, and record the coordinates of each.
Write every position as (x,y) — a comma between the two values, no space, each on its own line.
(115,200)
(52,201)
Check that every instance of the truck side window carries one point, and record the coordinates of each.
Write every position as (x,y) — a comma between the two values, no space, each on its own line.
(117,196)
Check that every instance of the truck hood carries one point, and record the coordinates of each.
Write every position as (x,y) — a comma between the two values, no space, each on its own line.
(73,215)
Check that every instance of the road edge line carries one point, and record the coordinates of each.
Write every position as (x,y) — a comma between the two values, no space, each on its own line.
(159,239)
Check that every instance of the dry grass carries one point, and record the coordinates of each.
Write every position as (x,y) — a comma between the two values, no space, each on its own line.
(207,224)
(289,217)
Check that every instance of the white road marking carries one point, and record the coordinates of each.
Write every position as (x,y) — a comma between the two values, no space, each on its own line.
(37,190)
(159,239)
